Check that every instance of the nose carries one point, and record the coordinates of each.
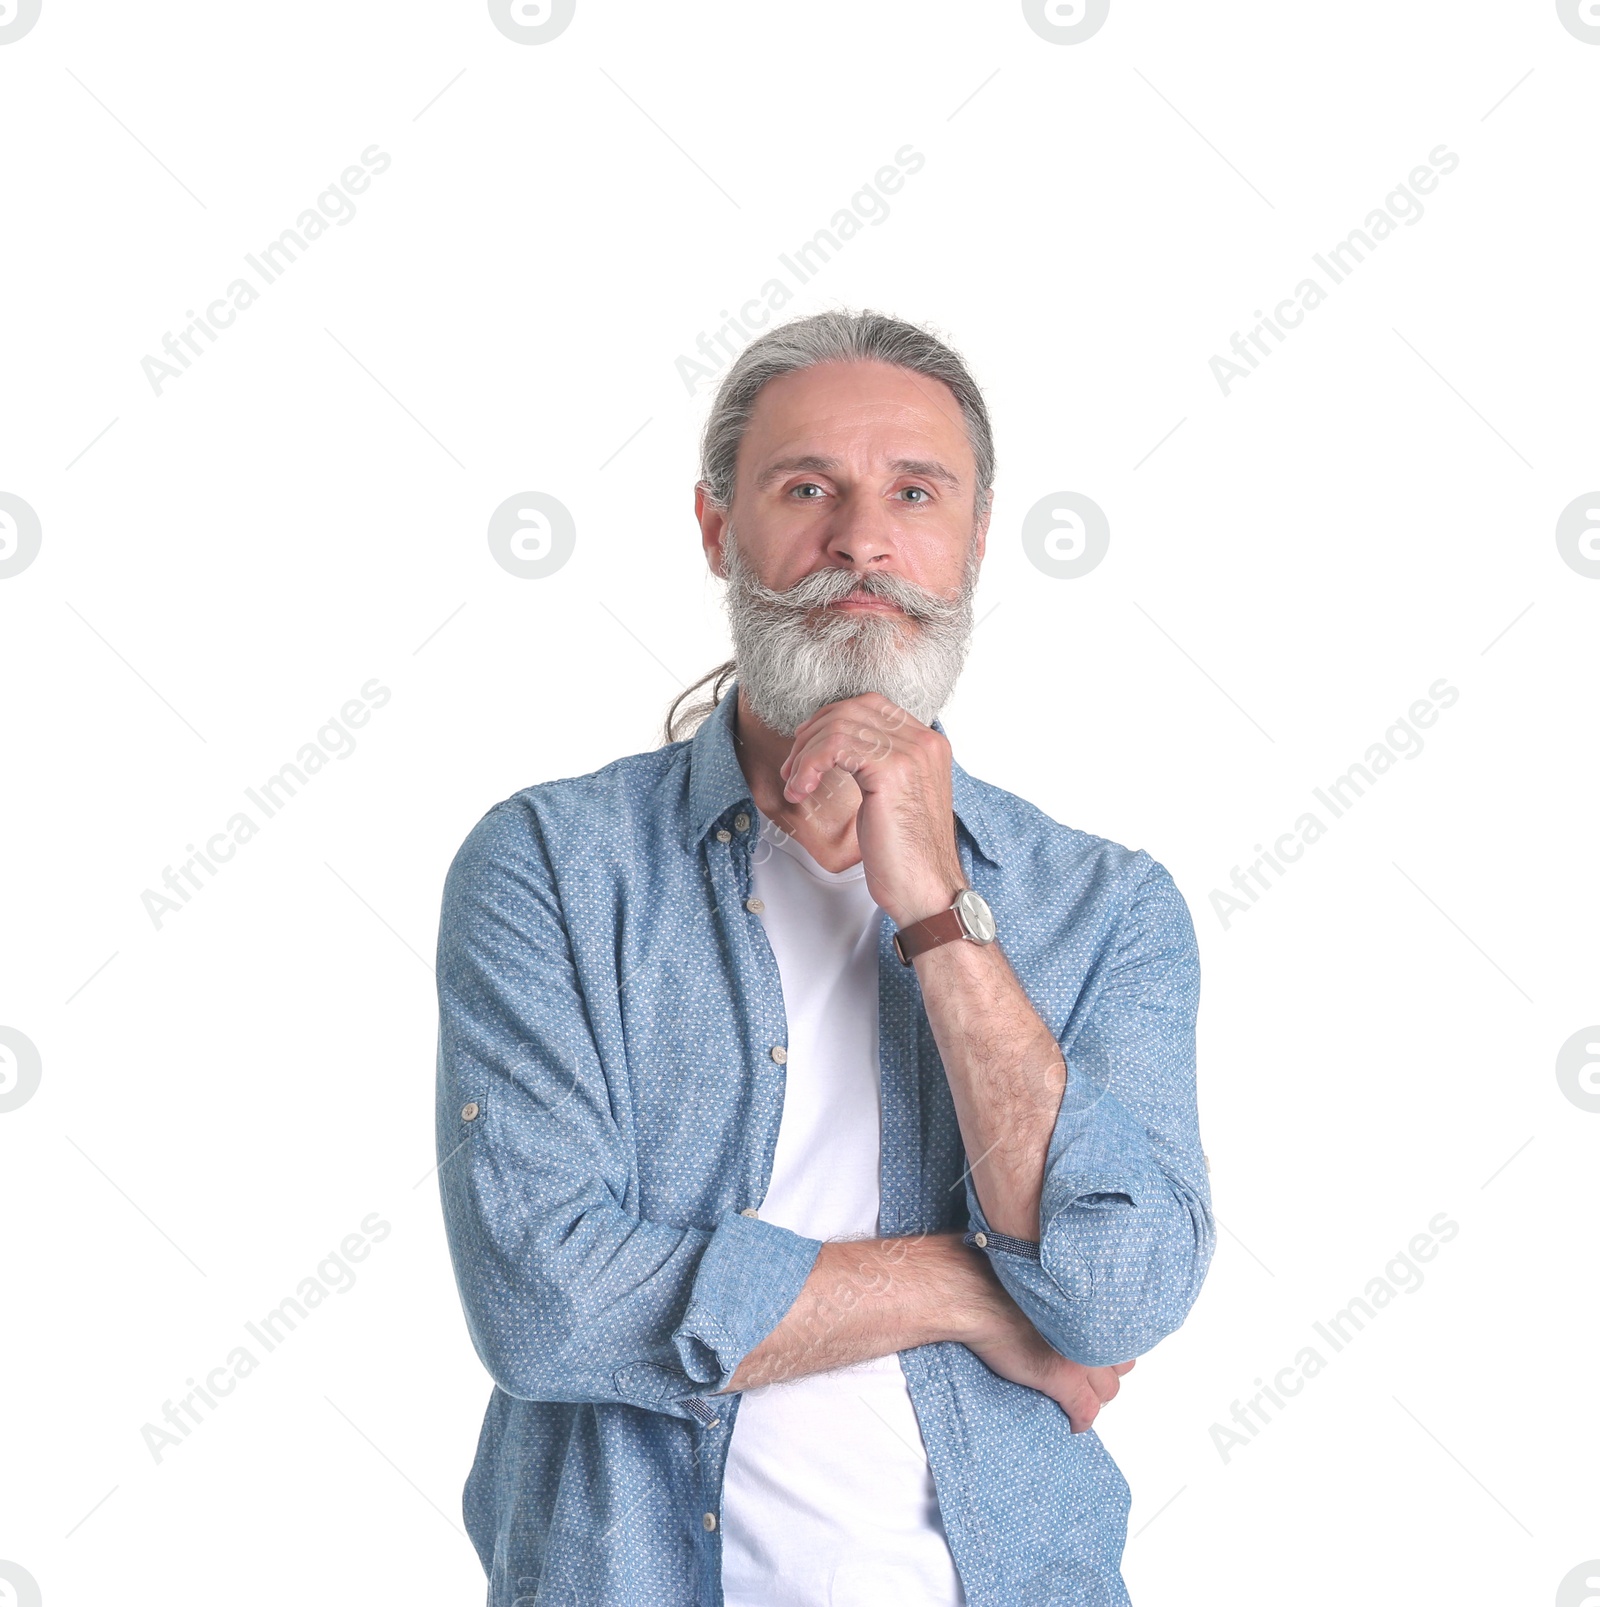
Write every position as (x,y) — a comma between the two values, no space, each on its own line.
(861,535)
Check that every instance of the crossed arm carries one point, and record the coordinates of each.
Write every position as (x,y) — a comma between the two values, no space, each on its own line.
(873,1297)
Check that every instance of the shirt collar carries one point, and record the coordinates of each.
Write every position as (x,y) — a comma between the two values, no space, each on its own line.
(717,783)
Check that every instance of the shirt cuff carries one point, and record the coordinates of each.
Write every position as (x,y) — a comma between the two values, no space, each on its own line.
(749,1276)
(1098,1161)
(1099,1156)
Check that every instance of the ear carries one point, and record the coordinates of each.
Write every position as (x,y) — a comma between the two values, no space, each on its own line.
(713,528)
(983,528)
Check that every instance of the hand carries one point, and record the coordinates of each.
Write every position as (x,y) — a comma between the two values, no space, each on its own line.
(905,826)
(1015,1349)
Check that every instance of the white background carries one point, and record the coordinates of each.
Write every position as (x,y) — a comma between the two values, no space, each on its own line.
(224,1098)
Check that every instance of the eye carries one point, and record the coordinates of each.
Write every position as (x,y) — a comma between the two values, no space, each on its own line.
(810,485)
(919,492)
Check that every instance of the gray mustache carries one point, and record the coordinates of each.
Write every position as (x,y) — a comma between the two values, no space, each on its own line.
(826,586)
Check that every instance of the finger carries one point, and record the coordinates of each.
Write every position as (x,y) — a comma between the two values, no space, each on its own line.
(1104,1382)
(1081,1407)
(807,764)
(800,771)
(876,709)
(821,731)
(862,707)
(1122,1367)
(851,748)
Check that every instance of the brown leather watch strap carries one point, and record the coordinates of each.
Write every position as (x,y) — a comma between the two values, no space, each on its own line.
(928,933)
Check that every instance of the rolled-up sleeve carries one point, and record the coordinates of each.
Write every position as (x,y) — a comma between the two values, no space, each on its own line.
(569,1296)
(1126,1232)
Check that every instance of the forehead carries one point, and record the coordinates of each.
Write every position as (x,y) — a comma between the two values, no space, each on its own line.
(859,413)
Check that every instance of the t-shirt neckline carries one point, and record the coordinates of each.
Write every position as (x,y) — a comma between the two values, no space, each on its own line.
(798,852)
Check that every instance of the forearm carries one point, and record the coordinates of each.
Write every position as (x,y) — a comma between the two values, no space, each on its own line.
(1006,1076)
(872,1297)
(867,1298)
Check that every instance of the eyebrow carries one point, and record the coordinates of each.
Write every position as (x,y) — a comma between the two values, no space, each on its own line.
(926,468)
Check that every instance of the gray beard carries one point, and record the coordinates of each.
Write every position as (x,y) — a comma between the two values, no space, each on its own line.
(792,660)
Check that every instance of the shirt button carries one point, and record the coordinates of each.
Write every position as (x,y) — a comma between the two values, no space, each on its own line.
(469,1113)
(709,1522)
(749,1210)
(724,836)
(741,822)
(754,905)
(778,1053)
(981,1240)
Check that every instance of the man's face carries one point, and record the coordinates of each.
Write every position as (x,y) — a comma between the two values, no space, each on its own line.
(857,466)
(851,548)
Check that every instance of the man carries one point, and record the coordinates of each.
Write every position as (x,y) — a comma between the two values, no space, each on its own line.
(817,1123)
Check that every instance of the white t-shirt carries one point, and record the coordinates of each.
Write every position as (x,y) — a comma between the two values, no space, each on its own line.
(828,1500)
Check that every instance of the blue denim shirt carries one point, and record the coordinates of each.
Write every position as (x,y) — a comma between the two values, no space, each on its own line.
(610,1084)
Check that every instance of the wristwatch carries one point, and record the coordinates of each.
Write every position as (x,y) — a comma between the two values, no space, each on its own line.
(969,917)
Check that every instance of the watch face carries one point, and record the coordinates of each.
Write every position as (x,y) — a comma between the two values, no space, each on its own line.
(975,916)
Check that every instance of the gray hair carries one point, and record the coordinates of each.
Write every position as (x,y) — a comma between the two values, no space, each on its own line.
(836,337)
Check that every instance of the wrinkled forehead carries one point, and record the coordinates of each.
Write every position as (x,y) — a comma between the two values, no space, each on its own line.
(860,417)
